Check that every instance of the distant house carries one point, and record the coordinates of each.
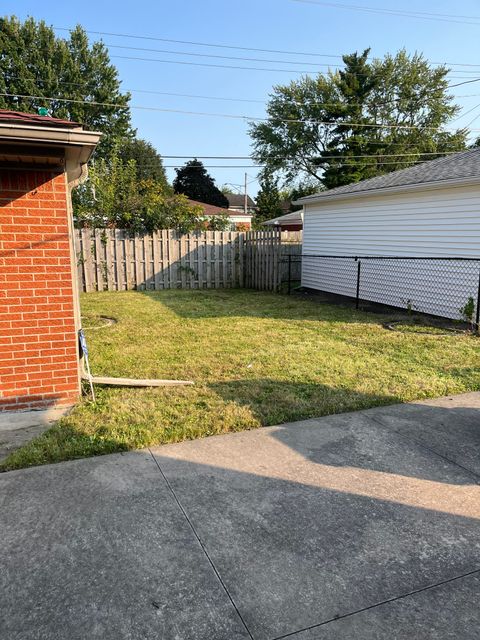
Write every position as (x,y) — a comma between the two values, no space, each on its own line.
(237,218)
(236,202)
(289,222)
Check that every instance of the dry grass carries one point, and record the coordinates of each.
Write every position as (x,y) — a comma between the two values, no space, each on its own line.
(256,359)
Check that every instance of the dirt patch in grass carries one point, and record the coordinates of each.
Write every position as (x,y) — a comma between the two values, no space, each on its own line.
(256,359)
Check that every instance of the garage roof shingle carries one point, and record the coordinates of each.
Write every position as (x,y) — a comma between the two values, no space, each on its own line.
(462,165)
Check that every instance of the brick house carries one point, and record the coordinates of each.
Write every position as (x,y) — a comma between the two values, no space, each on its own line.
(41,159)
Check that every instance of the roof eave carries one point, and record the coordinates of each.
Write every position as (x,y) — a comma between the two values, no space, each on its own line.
(77,143)
(418,186)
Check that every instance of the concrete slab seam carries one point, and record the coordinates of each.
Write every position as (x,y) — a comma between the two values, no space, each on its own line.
(377,604)
(427,448)
(202,546)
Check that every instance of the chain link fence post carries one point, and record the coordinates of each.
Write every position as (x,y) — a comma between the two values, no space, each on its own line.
(357,297)
(477,313)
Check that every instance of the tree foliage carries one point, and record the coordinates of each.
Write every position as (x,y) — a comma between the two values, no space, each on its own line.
(318,126)
(113,196)
(148,162)
(219,222)
(193,181)
(35,62)
(268,202)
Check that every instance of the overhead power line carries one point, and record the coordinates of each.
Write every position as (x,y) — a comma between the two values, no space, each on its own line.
(331,157)
(230,66)
(212,55)
(228,115)
(273,61)
(423,15)
(259,166)
(216,45)
(228,99)
(209,64)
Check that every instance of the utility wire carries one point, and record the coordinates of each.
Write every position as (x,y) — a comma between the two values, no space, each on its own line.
(268,60)
(208,64)
(229,66)
(440,17)
(331,157)
(229,115)
(223,98)
(259,166)
(229,46)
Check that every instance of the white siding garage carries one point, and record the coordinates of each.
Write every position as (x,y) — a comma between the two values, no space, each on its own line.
(431,210)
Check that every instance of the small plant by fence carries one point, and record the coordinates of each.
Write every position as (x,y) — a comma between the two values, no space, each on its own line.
(115,260)
(446,287)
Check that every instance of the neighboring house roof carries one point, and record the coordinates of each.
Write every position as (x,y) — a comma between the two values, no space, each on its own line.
(30,118)
(213,210)
(290,218)
(456,167)
(286,206)
(238,200)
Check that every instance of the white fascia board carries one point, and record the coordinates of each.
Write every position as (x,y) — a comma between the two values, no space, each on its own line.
(77,143)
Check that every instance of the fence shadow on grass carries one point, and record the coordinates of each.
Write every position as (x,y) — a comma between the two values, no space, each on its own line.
(244,303)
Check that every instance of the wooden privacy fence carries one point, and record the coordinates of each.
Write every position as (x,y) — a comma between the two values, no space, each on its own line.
(115,260)
(262,260)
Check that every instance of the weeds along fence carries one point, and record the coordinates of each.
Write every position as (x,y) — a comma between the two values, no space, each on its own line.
(446,287)
(115,260)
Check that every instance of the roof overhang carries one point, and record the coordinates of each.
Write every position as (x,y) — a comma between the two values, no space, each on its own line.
(33,145)
(294,217)
(324,197)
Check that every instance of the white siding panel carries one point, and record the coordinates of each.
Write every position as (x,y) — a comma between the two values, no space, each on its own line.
(429,223)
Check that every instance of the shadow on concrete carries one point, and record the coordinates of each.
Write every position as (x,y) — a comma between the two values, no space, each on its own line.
(301,543)
(357,439)
(109,547)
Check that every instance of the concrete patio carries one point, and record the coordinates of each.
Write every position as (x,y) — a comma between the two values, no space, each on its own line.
(354,526)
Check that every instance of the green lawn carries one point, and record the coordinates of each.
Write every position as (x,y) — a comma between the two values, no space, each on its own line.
(256,359)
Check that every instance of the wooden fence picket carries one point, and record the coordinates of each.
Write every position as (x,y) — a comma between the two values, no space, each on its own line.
(116,260)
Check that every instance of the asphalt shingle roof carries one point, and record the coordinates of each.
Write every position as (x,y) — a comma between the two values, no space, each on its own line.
(465,164)
(295,217)
(237,200)
(32,118)
(213,210)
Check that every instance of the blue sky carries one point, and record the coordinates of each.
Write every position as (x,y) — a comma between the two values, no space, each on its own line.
(271,24)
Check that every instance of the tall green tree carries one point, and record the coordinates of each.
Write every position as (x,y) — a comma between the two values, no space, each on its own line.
(65,75)
(267,201)
(194,181)
(317,127)
(148,162)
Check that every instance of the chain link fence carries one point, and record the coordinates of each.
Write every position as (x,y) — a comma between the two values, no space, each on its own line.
(445,287)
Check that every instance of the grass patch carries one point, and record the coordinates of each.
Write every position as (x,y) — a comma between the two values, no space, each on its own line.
(256,359)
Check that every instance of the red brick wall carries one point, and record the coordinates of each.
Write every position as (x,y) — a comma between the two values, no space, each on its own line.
(38,344)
